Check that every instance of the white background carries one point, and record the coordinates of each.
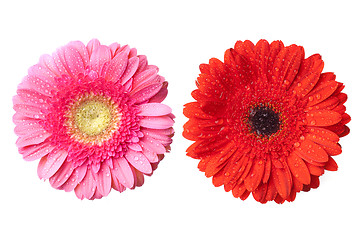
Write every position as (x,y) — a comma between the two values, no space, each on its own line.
(178,201)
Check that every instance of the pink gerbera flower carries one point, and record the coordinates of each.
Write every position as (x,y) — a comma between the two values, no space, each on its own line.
(94,117)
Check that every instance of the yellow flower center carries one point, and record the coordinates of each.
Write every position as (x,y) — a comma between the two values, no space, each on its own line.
(92,117)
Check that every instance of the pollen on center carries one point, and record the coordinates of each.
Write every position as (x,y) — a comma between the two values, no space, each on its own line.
(92,117)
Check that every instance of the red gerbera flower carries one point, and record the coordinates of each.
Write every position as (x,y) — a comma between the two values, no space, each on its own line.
(267,121)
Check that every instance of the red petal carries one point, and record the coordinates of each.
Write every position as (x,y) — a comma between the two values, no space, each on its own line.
(271,190)
(324,89)
(314,182)
(282,180)
(297,185)
(298,168)
(315,170)
(261,59)
(331,165)
(308,75)
(220,158)
(275,48)
(322,118)
(329,104)
(204,68)
(239,190)
(260,193)
(193,110)
(325,133)
(245,48)
(332,148)
(267,171)
(287,63)
(311,152)
(236,166)
(255,175)
(218,178)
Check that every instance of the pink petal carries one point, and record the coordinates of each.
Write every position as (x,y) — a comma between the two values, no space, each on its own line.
(87,187)
(77,175)
(139,161)
(32,138)
(145,78)
(31,97)
(95,166)
(29,111)
(122,171)
(135,147)
(61,176)
(128,85)
(92,45)
(49,164)
(114,47)
(35,152)
(154,109)
(162,122)
(142,65)
(139,178)
(150,155)
(167,131)
(27,127)
(39,85)
(59,59)
(145,94)
(49,67)
(133,53)
(99,57)
(74,60)
(162,138)
(81,49)
(96,195)
(117,66)
(117,185)
(103,180)
(43,74)
(130,70)
(161,95)
(152,145)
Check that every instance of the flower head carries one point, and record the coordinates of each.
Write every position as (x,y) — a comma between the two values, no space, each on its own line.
(267,121)
(93,115)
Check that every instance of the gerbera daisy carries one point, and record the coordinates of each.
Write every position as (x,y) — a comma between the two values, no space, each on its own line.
(93,115)
(267,121)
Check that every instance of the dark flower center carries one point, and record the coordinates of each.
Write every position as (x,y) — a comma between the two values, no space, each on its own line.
(264,121)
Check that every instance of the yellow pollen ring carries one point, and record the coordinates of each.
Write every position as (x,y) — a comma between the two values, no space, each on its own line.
(92,117)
